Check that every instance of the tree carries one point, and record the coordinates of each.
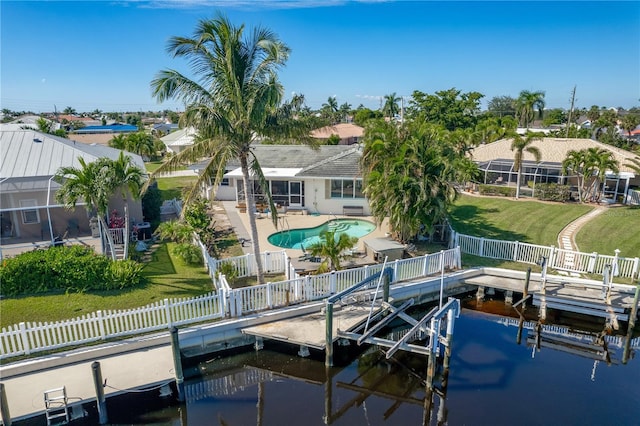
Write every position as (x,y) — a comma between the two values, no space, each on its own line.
(575,162)
(526,105)
(235,96)
(69,111)
(390,108)
(331,249)
(554,116)
(502,105)
(450,109)
(409,173)
(600,160)
(521,145)
(634,164)
(95,183)
(630,122)
(329,110)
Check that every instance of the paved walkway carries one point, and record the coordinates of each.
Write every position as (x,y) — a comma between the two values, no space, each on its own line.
(566,238)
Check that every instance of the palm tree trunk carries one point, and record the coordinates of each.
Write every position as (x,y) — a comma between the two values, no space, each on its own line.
(251,206)
(518,183)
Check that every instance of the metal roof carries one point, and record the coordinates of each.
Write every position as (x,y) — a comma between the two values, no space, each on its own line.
(32,154)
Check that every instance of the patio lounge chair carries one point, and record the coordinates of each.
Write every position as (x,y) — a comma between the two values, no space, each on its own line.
(306,256)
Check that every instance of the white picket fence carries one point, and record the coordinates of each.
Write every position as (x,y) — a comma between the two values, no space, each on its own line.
(558,259)
(28,338)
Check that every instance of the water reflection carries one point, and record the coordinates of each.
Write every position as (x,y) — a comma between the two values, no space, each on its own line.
(492,379)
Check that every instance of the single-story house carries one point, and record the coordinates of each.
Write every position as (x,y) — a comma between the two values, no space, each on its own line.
(496,159)
(324,180)
(29,211)
(348,133)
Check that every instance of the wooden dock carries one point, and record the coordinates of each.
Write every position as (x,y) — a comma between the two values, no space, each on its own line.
(310,330)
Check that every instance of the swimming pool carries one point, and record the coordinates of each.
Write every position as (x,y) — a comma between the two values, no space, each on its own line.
(305,237)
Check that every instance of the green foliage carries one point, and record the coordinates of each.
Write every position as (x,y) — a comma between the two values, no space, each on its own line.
(552,192)
(365,114)
(333,140)
(450,109)
(151,204)
(189,253)
(506,191)
(554,116)
(175,230)
(196,216)
(123,274)
(229,270)
(69,269)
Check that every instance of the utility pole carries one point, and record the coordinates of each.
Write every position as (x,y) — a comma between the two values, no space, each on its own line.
(573,99)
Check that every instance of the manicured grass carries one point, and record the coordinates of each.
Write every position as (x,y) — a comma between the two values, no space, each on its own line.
(168,278)
(173,187)
(506,219)
(616,228)
(152,166)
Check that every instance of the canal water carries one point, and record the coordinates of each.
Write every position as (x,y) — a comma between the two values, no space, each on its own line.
(492,380)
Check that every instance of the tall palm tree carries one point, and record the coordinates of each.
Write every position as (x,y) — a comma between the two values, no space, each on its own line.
(526,104)
(521,145)
(331,248)
(235,96)
(390,108)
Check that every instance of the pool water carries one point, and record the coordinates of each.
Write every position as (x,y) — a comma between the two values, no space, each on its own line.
(306,237)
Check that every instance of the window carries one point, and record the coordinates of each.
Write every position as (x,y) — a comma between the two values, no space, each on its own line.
(31,215)
(346,188)
(224,182)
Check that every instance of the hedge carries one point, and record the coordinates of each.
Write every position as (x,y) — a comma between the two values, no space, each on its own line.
(70,269)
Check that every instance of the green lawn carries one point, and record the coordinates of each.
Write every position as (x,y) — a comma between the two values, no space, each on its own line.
(506,219)
(616,228)
(152,166)
(169,278)
(173,187)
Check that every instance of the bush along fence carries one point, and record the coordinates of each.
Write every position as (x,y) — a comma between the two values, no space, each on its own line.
(558,259)
(28,338)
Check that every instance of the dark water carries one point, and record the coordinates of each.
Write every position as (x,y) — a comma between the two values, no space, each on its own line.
(492,381)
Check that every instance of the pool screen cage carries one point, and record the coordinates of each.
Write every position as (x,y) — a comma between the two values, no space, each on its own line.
(501,172)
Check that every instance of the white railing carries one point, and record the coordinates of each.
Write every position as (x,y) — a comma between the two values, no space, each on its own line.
(559,259)
(27,338)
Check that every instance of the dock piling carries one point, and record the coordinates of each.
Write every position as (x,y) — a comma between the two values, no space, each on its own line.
(329,335)
(177,362)
(103,418)
(4,407)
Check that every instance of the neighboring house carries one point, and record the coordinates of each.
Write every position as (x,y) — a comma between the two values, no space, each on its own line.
(325,181)
(348,133)
(180,139)
(101,135)
(29,211)
(163,129)
(496,164)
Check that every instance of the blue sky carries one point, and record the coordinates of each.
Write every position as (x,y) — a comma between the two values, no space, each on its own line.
(103,54)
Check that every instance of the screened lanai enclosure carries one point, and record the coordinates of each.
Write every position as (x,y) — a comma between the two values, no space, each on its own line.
(500,172)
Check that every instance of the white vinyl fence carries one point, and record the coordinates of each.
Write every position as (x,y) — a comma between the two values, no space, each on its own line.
(559,259)
(27,338)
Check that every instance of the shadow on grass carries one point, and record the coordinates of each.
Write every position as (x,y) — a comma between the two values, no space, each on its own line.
(467,219)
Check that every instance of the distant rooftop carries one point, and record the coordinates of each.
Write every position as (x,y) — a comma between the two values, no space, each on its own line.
(111,128)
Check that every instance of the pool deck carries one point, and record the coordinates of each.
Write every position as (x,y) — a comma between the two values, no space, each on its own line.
(240,223)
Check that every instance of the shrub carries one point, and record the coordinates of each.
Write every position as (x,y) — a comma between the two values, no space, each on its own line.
(506,191)
(189,253)
(70,269)
(229,270)
(123,274)
(553,192)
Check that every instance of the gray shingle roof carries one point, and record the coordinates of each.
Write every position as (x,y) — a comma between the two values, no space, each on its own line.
(326,161)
